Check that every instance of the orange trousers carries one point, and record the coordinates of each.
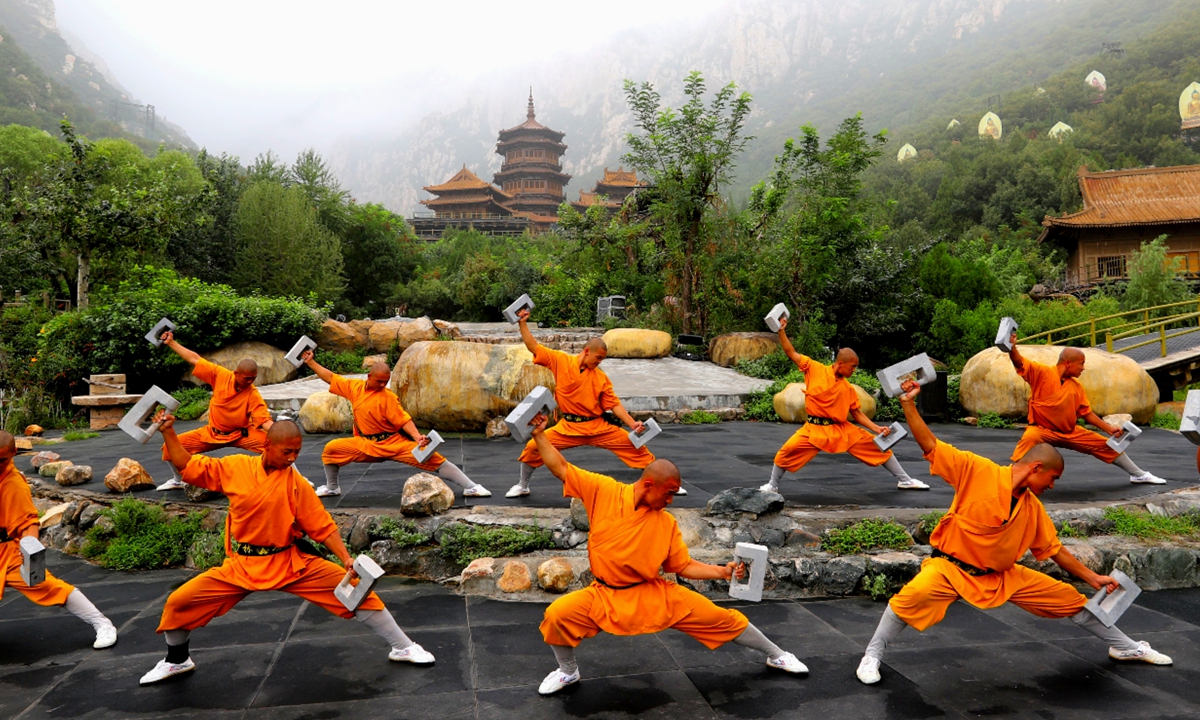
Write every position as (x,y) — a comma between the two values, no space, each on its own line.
(799,449)
(214,593)
(344,451)
(611,438)
(1080,440)
(51,591)
(568,620)
(202,440)
(923,601)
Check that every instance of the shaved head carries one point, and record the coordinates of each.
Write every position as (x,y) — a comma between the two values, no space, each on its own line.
(846,355)
(597,345)
(1047,455)
(1070,355)
(7,441)
(662,471)
(380,368)
(283,430)
(247,366)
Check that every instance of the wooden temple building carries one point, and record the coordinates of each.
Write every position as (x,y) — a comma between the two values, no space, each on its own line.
(1123,209)
(610,191)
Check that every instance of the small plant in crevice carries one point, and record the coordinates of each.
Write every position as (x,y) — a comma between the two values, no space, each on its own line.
(877,586)
(403,533)
(866,534)
(464,543)
(141,536)
(699,417)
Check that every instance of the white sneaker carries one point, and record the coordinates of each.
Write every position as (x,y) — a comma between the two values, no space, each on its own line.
(868,670)
(164,670)
(516,491)
(681,491)
(556,681)
(911,484)
(1145,653)
(172,484)
(787,662)
(769,487)
(106,636)
(414,654)
(326,491)
(477,491)
(1147,479)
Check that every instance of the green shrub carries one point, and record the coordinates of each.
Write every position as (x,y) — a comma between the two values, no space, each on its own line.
(767,367)
(929,521)
(142,537)
(993,420)
(404,533)
(1138,523)
(208,550)
(887,409)
(1167,420)
(193,402)
(866,534)
(72,435)
(347,363)
(878,586)
(463,543)
(699,417)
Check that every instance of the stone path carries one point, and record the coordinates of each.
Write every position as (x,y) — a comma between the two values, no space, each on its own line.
(275,656)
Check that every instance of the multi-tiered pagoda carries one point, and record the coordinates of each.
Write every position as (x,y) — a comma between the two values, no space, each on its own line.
(610,191)
(532,170)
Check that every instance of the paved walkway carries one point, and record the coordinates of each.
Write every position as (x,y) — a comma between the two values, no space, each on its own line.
(712,458)
(275,656)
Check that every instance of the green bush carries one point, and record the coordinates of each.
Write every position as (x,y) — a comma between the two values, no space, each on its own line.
(699,417)
(193,402)
(929,521)
(463,543)
(208,550)
(993,420)
(404,533)
(1167,420)
(878,586)
(767,367)
(760,403)
(142,537)
(866,534)
(347,363)
(1139,523)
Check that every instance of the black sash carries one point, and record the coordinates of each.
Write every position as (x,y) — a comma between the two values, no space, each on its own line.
(817,420)
(619,587)
(966,567)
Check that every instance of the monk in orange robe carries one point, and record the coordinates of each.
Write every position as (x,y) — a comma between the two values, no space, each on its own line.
(584,394)
(382,431)
(996,516)
(271,509)
(237,415)
(633,540)
(19,519)
(1057,403)
(829,399)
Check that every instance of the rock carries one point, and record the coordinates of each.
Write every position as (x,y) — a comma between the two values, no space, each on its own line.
(105,524)
(360,533)
(899,567)
(1114,383)
(272,367)
(739,500)
(425,494)
(415,331)
(515,578)
(197,494)
(636,343)
(496,428)
(382,335)
(1118,419)
(789,403)
(423,562)
(213,520)
(479,577)
(88,515)
(1175,407)
(370,360)
(731,348)
(128,476)
(33,431)
(324,412)
(51,469)
(806,573)
(1086,554)
(555,575)
(73,475)
(71,514)
(694,529)
(45,456)
(459,386)
(803,538)
(840,575)
(579,516)
(970,420)
(24,443)
(362,328)
(337,337)
(447,329)
(53,516)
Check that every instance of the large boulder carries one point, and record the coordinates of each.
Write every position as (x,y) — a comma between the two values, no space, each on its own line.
(128,476)
(460,386)
(447,329)
(555,575)
(636,343)
(789,403)
(425,494)
(731,348)
(362,328)
(272,367)
(415,331)
(381,335)
(337,337)
(324,412)
(1114,383)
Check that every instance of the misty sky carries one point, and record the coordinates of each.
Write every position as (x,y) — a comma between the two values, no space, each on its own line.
(250,75)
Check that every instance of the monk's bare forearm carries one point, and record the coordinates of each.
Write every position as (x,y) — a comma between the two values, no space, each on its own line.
(335,545)
(551,457)
(916,425)
(320,370)
(531,343)
(696,570)
(189,356)
(1014,355)
(175,451)
(1096,421)
(786,343)
(861,418)
(410,429)
(624,416)
(1071,564)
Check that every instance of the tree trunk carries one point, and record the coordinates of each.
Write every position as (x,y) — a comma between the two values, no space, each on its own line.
(82,280)
(686,300)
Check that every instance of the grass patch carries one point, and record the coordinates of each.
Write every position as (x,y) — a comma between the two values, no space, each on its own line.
(993,420)
(1138,523)
(465,543)
(142,537)
(929,521)
(208,550)
(699,417)
(72,435)
(193,402)
(866,534)
(404,533)
(1169,421)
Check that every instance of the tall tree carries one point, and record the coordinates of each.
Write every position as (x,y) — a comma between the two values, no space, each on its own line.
(379,252)
(310,174)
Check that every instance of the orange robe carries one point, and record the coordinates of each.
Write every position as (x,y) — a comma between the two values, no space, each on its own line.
(587,393)
(628,546)
(17,516)
(235,418)
(266,509)
(1054,410)
(826,395)
(375,412)
(986,529)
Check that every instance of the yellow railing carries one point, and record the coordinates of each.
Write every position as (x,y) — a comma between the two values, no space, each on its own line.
(1139,323)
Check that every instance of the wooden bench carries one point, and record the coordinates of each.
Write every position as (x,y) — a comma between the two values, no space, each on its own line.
(107,402)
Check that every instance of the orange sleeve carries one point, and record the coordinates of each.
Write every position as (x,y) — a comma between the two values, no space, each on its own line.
(951,464)
(678,557)
(1082,406)
(805,363)
(311,515)
(348,389)
(17,502)
(207,372)
(608,397)
(549,358)
(584,485)
(203,471)
(1045,539)
(259,413)
(1031,371)
(395,412)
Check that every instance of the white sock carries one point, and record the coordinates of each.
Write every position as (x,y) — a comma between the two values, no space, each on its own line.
(894,467)
(450,472)
(384,625)
(890,626)
(177,637)
(566,659)
(776,474)
(526,473)
(331,476)
(1128,465)
(178,477)
(1111,635)
(753,638)
(82,608)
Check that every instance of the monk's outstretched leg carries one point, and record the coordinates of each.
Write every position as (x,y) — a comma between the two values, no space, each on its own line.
(567,622)
(921,603)
(794,454)
(868,452)
(531,460)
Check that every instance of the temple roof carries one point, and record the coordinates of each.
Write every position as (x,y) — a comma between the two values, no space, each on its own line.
(1148,196)
(530,123)
(620,178)
(466,180)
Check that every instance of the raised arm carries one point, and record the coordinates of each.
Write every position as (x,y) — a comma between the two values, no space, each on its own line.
(916,424)
(321,371)
(1014,355)
(786,343)
(531,343)
(179,457)
(555,462)
(191,357)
